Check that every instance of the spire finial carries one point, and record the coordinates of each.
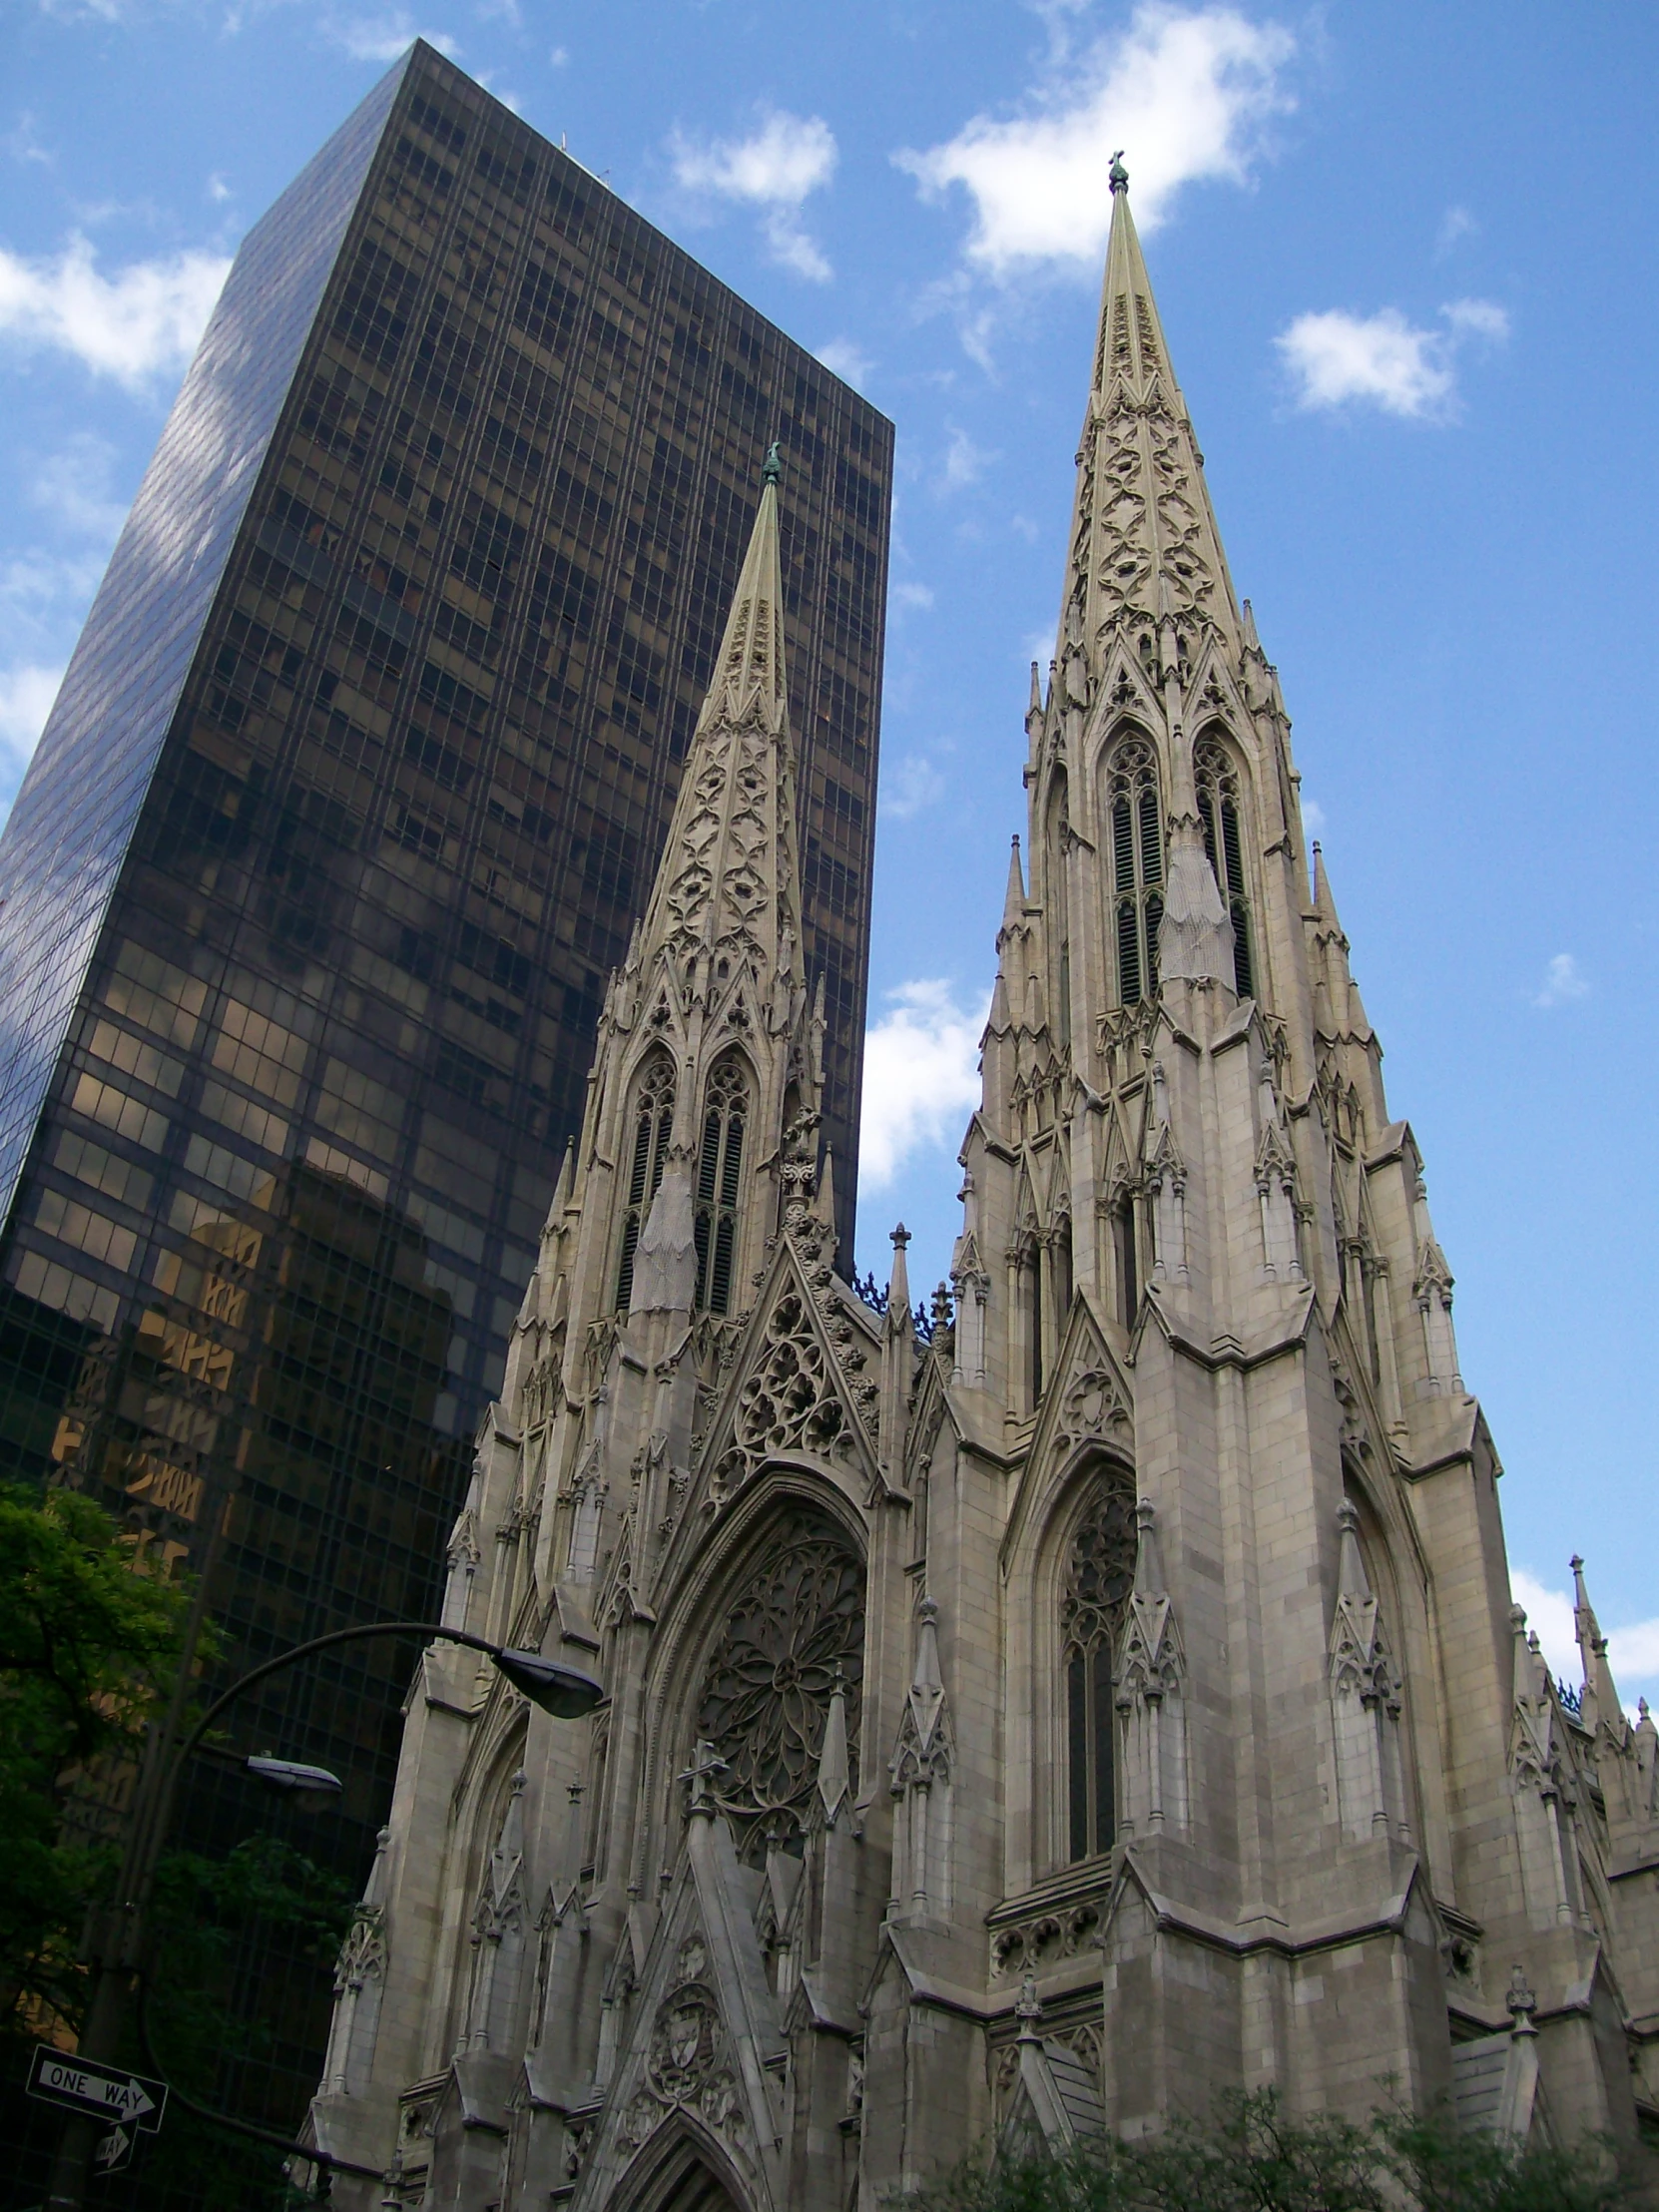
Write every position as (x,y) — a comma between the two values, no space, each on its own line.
(772,466)
(1117,176)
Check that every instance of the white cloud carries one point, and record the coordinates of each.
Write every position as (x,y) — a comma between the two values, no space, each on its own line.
(1479,319)
(1632,1652)
(847,361)
(964,463)
(1337,357)
(1563,981)
(1455,223)
(140,323)
(42,586)
(45,588)
(1313,816)
(910,786)
(559,56)
(921,1076)
(913,595)
(381,38)
(218,190)
(787,158)
(1187,91)
(23,144)
(26,696)
(73,487)
(1550,1613)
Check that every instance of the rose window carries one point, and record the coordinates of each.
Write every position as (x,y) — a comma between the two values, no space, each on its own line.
(794,1629)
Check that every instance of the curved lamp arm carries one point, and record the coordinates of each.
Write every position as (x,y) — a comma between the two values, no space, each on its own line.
(566,1692)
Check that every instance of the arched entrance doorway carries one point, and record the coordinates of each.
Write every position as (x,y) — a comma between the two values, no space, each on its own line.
(695,2190)
(685,2179)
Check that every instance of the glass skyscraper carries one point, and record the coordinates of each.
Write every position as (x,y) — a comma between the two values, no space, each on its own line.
(358,776)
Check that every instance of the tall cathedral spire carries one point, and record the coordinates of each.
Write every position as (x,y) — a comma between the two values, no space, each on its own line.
(1144,543)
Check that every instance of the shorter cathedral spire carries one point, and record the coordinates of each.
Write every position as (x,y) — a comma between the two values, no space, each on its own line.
(729,884)
(751,664)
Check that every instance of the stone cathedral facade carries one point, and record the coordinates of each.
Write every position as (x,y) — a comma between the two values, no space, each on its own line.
(1038,1719)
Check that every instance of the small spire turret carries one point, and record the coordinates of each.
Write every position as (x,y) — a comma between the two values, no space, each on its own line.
(1013,903)
(899,1282)
(1601,1704)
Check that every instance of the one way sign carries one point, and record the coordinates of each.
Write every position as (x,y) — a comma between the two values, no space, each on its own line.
(106,2092)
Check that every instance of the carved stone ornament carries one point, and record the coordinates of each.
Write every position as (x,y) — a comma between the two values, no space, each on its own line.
(1093,1407)
(684,2039)
(363,1956)
(1046,1939)
(790,1403)
(796,1628)
(687,2067)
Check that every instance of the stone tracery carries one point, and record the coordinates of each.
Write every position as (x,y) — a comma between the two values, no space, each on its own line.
(1100,1575)
(793,1632)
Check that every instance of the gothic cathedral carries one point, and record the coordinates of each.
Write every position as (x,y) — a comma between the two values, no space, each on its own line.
(1046,1715)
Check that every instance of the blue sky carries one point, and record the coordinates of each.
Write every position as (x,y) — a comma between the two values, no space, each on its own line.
(1403,260)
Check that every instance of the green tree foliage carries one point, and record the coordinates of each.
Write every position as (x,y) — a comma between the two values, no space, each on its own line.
(1253,2156)
(87,1649)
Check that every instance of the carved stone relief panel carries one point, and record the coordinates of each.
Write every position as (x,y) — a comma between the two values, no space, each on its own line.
(689,2063)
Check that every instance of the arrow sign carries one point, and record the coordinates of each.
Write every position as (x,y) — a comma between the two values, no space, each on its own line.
(112,2150)
(107,2092)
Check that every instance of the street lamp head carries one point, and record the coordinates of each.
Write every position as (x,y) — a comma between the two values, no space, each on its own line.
(312,1785)
(565,1692)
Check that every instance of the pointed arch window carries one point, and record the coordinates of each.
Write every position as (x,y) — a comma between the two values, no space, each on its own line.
(1100,1573)
(1135,825)
(719,1184)
(1221,812)
(653,1118)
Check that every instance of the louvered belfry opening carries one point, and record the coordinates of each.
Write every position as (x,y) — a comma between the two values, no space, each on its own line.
(653,1119)
(1219,808)
(1137,838)
(718,1183)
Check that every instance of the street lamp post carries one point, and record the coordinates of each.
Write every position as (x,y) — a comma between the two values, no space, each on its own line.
(121,1934)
